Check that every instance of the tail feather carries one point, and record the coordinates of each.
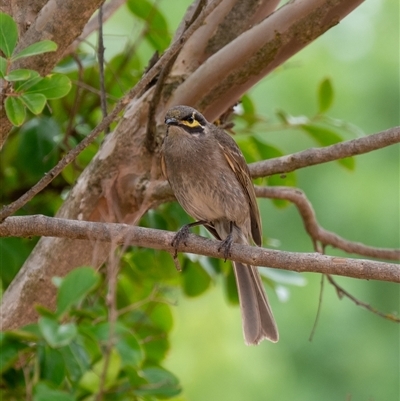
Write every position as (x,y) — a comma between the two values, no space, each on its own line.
(258,320)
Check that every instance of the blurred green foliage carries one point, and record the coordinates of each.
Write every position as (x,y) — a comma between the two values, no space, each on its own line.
(328,92)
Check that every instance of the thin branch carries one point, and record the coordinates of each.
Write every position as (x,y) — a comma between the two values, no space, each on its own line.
(28,226)
(100,56)
(341,292)
(136,91)
(78,94)
(313,156)
(321,293)
(316,232)
(112,272)
(136,305)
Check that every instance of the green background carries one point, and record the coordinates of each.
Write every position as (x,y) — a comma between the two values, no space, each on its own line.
(354,354)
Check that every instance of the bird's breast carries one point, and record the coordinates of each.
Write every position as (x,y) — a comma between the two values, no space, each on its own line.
(203,183)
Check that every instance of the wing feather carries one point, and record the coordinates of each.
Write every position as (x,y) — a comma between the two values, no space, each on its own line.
(237,163)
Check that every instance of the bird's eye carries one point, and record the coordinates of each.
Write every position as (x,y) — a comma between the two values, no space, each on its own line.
(191,122)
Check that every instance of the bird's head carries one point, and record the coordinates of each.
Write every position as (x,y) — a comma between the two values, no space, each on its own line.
(187,118)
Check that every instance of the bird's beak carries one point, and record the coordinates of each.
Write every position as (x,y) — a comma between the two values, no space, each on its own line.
(171,121)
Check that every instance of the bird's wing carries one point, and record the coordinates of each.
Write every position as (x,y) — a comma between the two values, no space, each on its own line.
(163,166)
(237,163)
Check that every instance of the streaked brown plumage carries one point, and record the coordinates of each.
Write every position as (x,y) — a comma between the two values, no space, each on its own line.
(211,181)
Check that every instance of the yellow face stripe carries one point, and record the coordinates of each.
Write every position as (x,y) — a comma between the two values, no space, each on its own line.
(191,124)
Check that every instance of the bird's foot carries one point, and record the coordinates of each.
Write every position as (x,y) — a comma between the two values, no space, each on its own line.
(226,246)
(182,235)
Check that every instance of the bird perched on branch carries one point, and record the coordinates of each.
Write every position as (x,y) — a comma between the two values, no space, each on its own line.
(210,179)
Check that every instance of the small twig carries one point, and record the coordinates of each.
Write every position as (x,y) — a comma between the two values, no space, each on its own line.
(28,381)
(341,292)
(321,293)
(112,272)
(93,90)
(150,298)
(74,109)
(100,56)
(316,232)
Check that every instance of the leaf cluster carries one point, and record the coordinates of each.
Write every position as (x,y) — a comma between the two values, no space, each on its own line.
(76,352)
(26,89)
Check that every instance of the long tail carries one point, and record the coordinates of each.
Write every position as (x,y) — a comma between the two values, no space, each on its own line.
(257,318)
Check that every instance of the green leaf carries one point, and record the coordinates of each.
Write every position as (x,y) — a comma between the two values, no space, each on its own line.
(18,75)
(76,360)
(13,253)
(161,383)
(10,350)
(325,137)
(348,162)
(43,46)
(57,335)
(158,33)
(74,287)
(22,335)
(195,278)
(37,152)
(91,379)
(8,34)
(129,349)
(3,67)
(325,95)
(161,317)
(249,110)
(15,110)
(248,105)
(283,116)
(266,150)
(52,365)
(21,86)
(35,102)
(322,135)
(43,392)
(53,86)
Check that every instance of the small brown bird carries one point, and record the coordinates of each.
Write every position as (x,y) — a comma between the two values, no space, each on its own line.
(211,181)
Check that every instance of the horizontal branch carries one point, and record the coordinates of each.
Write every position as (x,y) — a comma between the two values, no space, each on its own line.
(313,156)
(158,239)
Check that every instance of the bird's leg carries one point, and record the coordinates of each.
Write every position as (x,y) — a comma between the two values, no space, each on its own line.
(226,244)
(182,234)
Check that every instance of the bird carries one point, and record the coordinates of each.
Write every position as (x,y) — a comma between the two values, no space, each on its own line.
(211,181)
